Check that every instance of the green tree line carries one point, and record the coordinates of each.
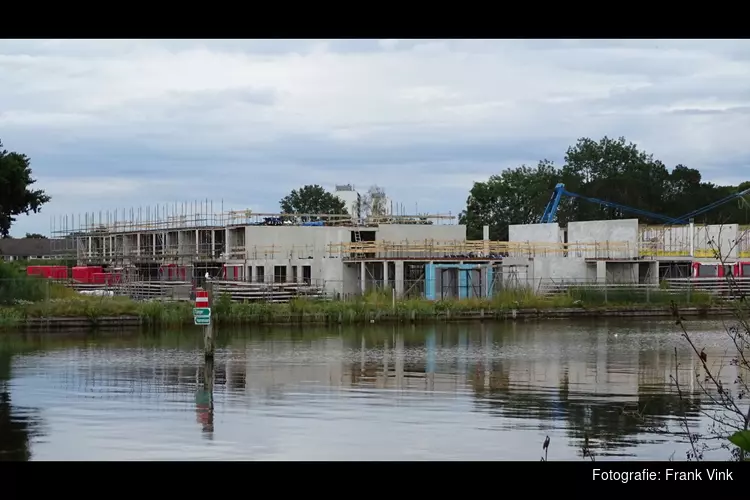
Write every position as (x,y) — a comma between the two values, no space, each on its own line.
(613,170)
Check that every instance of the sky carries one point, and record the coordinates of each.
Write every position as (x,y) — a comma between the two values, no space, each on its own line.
(121,124)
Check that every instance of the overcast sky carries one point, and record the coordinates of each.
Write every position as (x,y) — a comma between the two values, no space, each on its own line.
(115,124)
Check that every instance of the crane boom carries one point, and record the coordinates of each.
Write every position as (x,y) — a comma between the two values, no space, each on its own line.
(715,204)
(551,210)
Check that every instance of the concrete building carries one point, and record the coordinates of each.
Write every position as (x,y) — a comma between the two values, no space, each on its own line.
(424,255)
(339,255)
(355,202)
(351,198)
(624,251)
(25,249)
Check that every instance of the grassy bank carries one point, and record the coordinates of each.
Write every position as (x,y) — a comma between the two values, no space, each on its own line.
(371,307)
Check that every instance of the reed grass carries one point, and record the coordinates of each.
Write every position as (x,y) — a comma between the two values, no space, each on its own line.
(16,286)
(374,306)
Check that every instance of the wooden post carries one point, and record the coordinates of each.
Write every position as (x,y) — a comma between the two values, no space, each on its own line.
(208,342)
(208,330)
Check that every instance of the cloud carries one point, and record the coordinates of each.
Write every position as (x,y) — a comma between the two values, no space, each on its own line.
(124,123)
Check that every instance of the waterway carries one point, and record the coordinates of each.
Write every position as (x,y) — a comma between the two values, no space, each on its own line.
(491,391)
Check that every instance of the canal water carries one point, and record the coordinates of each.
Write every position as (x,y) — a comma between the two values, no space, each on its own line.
(490,391)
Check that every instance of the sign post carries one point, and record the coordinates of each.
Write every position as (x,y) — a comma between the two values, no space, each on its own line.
(202,317)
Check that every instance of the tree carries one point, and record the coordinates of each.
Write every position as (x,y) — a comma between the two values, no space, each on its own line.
(516,196)
(35,236)
(373,203)
(15,196)
(613,170)
(310,200)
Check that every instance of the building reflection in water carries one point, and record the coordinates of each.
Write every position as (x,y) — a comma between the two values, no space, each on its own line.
(430,347)
(524,373)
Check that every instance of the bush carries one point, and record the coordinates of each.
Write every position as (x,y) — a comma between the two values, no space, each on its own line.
(16,286)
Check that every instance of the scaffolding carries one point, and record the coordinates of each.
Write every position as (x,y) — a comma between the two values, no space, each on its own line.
(674,241)
(201,215)
(478,249)
(187,232)
(743,242)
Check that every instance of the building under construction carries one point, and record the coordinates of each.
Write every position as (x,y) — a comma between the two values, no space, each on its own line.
(191,242)
(415,255)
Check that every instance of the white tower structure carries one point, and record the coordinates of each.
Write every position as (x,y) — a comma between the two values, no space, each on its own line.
(352,199)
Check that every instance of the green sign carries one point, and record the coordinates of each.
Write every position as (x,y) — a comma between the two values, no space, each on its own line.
(202,397)
(202,311)
(202,320)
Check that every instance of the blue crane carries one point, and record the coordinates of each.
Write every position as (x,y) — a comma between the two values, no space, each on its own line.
(551,210)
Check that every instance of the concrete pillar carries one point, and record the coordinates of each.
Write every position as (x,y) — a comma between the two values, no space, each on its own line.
(363,276)
(486,238)
(654,272)
(197,243)
(385,273)
(601,271)
(399,278)
(213,245)
(89,247)
(153,243)
(692,238)
(138,244)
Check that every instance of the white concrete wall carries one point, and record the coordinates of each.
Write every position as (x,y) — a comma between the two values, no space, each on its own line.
(350,274)
(623,234)
(416,232)
(622,272)
(665,241)
(558,269)
(351,201)
(723,237)
(308,241)
(516,272)
(535,233)
(294,241)
(674,241)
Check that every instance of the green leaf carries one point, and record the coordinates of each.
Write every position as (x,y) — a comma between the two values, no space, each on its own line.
(741,439)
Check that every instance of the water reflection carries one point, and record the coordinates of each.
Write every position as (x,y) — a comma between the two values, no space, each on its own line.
(204,400)
(17,425)
(491,391)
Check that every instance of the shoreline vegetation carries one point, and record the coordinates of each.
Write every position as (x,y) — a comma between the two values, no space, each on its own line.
(64,308)
(38,304)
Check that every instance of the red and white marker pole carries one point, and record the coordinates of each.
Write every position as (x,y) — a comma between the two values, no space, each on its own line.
(200,318)
(201,298)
